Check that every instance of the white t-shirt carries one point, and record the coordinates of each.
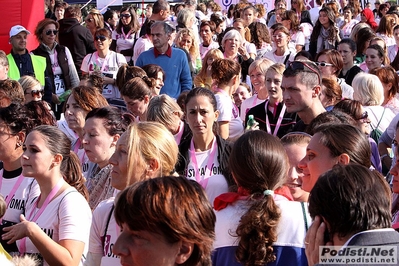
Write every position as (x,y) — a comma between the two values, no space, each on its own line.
(97,231)
(123,42)
(108,66)
(142,45)
(28,189)
(229,112)
(376,114)
(204,50)
(298,38)
(247,104)
(68,216)
(216,183)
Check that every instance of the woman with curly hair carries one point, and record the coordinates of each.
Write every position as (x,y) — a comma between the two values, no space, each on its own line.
(390,82)
(249,223)
(325,34)
(186,40)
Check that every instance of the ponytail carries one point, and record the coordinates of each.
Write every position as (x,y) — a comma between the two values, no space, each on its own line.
(71,169)
(257,231)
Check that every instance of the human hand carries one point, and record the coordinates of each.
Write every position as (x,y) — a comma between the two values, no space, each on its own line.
(255,126)
(314,239)
(17,231)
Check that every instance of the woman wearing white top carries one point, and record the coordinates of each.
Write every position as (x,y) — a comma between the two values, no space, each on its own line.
(57,222)
(290,20)
(347,24)
(226,75)
(257,73)
(239,25)
(104,62)
(369,91)
(146,150)
(281,38)
(123,37)
(207,30)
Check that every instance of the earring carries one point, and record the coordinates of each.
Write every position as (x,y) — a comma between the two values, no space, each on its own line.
(19,144)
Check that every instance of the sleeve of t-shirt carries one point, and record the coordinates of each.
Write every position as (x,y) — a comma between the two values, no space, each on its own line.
(300,38)
(85,64)
(114,35)
(225,108)
(100,216)
(121,59)
(74,222)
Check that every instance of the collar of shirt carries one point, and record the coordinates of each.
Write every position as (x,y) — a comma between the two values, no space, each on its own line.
(167,53)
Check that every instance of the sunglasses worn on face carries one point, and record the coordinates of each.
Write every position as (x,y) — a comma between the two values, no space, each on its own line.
(89,20)
(100,37)
(323,64)
(35,93)
(300,65)
(49,32)
(364,116)
(125,15)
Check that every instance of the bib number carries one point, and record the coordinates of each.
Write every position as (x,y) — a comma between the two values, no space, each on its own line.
(59,85)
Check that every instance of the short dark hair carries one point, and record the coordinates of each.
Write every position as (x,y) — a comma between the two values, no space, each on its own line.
(351,199)
(72,11)
(159,6)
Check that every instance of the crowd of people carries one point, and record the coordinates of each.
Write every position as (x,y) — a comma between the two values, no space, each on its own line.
(188,135)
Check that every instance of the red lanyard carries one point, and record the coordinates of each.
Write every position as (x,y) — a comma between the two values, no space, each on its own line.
(193,158)
(53,192)
(280,119)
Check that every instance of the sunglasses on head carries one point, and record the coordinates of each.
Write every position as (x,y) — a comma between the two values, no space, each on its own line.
(49,32)
(100,37)
(35,93)
(125,15)
(305,66)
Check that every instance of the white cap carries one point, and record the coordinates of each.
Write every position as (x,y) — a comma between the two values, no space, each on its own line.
(17,29)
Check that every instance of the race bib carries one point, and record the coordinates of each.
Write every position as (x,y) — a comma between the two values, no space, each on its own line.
(59,85)
(107,89)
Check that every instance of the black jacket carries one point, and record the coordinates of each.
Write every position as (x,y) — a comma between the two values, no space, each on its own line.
(224,150)
(77,38)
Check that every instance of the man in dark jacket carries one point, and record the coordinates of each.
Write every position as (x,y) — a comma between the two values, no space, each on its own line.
(77,38)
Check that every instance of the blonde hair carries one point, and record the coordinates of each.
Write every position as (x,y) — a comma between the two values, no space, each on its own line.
(97,17)
(163,109)
(278,68)
(261,64)
(28,82)
(151,141)
(194,50)
(202,79)
(368,89)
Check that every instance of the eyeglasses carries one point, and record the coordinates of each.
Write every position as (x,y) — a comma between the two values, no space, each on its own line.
(100,37)
(35,93)
(323,64)
(49,32)
(125,15)
(89,20)
(301,65)
(279,36)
